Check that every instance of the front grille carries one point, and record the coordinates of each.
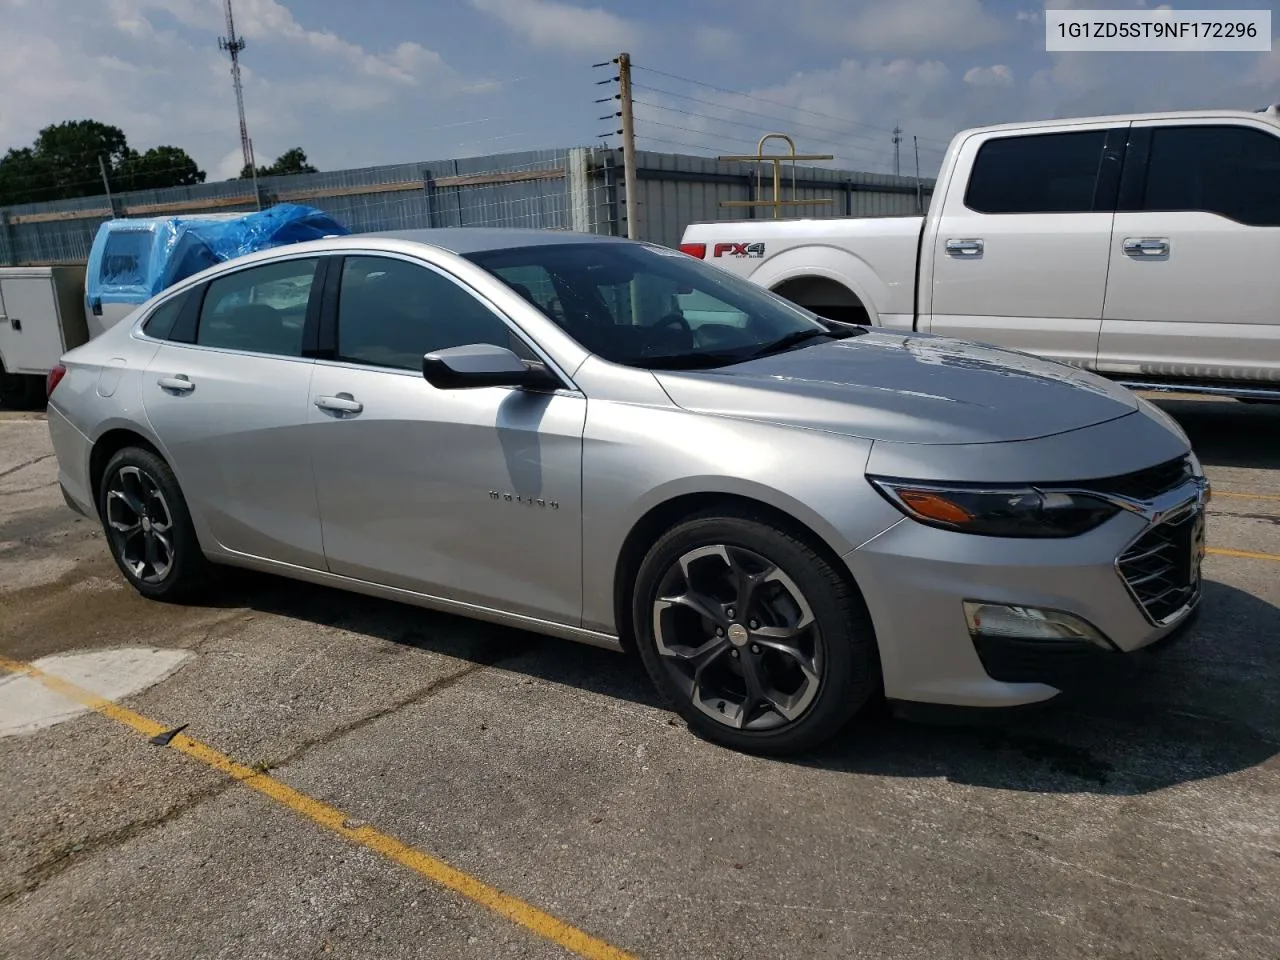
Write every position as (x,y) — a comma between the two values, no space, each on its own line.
(1145,484)
(1162,567)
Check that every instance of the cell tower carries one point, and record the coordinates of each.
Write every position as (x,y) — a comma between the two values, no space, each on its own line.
(897,130)
(233,45)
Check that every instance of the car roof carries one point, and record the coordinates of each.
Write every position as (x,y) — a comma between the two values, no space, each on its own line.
(465,240)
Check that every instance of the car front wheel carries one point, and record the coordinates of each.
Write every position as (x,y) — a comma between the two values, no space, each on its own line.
(148,527)
(752,635)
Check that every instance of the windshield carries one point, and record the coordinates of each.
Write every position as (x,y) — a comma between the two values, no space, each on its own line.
(647,306)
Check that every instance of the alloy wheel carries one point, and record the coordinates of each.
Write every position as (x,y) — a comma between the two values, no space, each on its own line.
(738,637)
(140,524)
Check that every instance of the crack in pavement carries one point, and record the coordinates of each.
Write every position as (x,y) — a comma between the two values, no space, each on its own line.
(23,466)
(488,654)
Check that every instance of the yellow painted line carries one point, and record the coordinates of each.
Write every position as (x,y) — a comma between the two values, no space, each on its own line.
(331,818)
(1243,554)
(1246,496)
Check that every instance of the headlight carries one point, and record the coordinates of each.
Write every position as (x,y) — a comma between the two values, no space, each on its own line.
(994,511)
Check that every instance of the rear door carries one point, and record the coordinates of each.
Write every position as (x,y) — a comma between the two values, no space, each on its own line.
(1019,253)
(1192,291)
(227,394)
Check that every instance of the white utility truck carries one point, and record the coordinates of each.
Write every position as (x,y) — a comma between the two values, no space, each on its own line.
(1144,247)
(47,310)
(42,316)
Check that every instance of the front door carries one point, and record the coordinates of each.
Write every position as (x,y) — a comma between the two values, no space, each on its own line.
(231,411)
(471,495)
(1192,290)
(1019,258)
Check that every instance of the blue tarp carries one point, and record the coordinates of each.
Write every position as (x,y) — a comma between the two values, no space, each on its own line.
(134,259)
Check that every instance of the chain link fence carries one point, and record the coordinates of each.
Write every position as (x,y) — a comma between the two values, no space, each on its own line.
(578,188)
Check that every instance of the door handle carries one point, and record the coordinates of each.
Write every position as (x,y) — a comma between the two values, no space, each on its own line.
(180,384)
(1144,248)
(341,404)
(965,249)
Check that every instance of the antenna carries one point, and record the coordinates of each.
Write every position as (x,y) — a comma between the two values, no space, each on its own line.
(233,45)
(897,139)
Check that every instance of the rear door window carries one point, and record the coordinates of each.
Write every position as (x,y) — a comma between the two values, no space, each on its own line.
(260,309)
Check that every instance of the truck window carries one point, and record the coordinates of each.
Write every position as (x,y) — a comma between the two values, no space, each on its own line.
(1228,170)
(126,258)
(1043,173)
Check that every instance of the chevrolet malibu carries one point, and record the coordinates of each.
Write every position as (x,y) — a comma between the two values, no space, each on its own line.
(785,517)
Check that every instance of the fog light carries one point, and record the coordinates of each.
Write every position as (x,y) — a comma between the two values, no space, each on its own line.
(1029,623)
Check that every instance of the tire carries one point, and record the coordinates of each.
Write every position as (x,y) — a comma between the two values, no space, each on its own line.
(138,491)
(699,653)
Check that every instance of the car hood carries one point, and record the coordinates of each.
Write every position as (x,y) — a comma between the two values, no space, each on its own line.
(908,388)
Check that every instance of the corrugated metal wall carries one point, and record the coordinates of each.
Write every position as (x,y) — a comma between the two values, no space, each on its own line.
(676,190)
(577,188)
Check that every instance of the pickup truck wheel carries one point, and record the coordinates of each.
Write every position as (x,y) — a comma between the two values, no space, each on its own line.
(752,636)
(149,529)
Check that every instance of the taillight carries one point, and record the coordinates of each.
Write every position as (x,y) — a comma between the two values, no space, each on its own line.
(53,379)
(698,250)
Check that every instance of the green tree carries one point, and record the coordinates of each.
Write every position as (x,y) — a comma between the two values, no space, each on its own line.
(159,167)
(293,160)
(23,177)
(67,159)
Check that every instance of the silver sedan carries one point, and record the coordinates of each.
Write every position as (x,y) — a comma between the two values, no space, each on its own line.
(785,517)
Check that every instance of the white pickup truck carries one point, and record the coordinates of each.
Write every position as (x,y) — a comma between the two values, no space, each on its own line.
(1145,248)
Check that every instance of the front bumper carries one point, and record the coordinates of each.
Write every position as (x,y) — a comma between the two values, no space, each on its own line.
(916,580)
(1069,666)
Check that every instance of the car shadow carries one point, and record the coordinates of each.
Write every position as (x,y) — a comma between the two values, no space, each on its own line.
(1205,707)
(1227,433)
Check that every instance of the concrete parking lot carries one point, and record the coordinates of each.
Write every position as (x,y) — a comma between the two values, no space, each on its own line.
(362,779)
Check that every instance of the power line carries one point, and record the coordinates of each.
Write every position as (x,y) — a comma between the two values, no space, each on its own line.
(761,116)
(776,103)
(837,143)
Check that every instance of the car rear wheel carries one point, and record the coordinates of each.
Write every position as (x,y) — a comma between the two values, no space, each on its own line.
(149,529)
(752,635)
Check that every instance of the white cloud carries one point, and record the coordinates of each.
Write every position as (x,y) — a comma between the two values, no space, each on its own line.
(165,81)
(897,27)
(1028,16)
(549,23)
(996,75)
(711,41)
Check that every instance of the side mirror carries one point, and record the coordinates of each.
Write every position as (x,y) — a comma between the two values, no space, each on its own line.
(484,365)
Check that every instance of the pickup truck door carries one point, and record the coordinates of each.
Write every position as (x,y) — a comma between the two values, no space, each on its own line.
(1017,255)
(1192,289)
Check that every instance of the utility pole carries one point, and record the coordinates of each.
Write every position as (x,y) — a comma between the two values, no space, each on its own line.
(897,139)
(915,141)
(233,45)
(628,143)
(106,184)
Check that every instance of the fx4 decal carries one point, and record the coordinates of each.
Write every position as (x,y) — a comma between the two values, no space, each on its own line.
(752,251)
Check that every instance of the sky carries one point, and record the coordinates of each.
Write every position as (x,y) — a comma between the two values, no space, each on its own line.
(367,82)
